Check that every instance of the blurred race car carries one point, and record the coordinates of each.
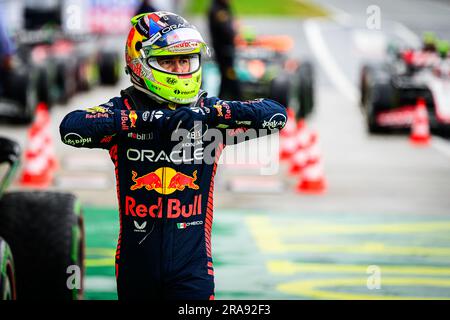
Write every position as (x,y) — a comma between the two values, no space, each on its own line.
(390,90)
(264,69)
(52,70)
(52,65)
(74,64)
(80,60)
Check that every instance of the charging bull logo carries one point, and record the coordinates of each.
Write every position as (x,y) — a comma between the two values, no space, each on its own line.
(98,109)
(165,181)
(150,181)
(180,181)
(133,117)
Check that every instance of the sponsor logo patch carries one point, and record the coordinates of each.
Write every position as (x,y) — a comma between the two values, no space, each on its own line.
(277,121)
(140,227)
(218,107)
(145,115)
(184,225)
(98,109)
(173,181)
(74,139)
(106,139)
(176,156)
(140,136)
(133,118)
(124,120)
(174,209)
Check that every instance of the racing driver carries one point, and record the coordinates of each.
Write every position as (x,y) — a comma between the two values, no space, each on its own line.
(164,186)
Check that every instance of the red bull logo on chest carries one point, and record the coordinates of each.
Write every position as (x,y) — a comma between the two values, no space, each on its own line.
(172,209)
(164,181)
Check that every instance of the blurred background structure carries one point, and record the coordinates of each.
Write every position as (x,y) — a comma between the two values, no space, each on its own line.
(358,203)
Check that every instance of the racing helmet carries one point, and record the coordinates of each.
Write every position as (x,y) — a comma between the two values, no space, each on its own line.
(443,48)
(160,34)
(429,40)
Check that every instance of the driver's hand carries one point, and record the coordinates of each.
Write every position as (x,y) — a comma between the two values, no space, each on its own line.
(187,117)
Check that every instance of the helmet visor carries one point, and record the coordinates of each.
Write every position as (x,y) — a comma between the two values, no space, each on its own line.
(176,41)
(176,64)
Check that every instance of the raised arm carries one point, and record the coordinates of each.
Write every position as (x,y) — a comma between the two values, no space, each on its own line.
(100,126)
(265,116)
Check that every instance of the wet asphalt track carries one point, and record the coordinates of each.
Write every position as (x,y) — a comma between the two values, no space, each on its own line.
(387,204)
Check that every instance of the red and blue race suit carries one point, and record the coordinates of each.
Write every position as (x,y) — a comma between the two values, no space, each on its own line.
(165,187)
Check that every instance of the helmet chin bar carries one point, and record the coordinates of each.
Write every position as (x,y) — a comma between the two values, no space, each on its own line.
(155,97)
(151,94)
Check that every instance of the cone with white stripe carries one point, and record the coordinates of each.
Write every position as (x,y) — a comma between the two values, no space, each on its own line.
(312,179)
(304,139)
(287,137)
(40,160)
(420,128)
(290,128)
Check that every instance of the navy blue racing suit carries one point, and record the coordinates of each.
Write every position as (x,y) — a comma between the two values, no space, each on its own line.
(166,196)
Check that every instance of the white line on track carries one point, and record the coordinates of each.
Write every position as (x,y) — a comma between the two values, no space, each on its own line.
(331,68)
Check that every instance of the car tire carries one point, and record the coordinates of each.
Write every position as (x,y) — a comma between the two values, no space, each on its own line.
(306,90)
(109,68)
(83,71)
(377,93)
(22,87)
(65,80)
(45,85)
(45,231)
(279,90)
(7,276)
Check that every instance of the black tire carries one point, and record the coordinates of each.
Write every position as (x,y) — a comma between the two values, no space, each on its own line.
(65,80)
(21,86)
(7,276)
(82,74)
(377,93)
(305,90)
(279,90)
(109,68)
(45,85)
(45,232)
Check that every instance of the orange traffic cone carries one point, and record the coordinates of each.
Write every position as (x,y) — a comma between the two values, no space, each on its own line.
(49,149)
(304,140)
(312,178)
(290,127)
(289,145)
(38,171)
(420,129)
(287,137)
(299,161)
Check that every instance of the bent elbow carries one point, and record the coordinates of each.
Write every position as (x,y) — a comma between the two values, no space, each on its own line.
(66,127)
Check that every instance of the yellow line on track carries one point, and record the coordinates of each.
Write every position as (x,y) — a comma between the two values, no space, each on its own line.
(106,252)
(268,239)
(285,267)
(107,262)
(316,288)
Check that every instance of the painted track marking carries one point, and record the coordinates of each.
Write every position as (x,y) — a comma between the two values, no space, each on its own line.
(331,68)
